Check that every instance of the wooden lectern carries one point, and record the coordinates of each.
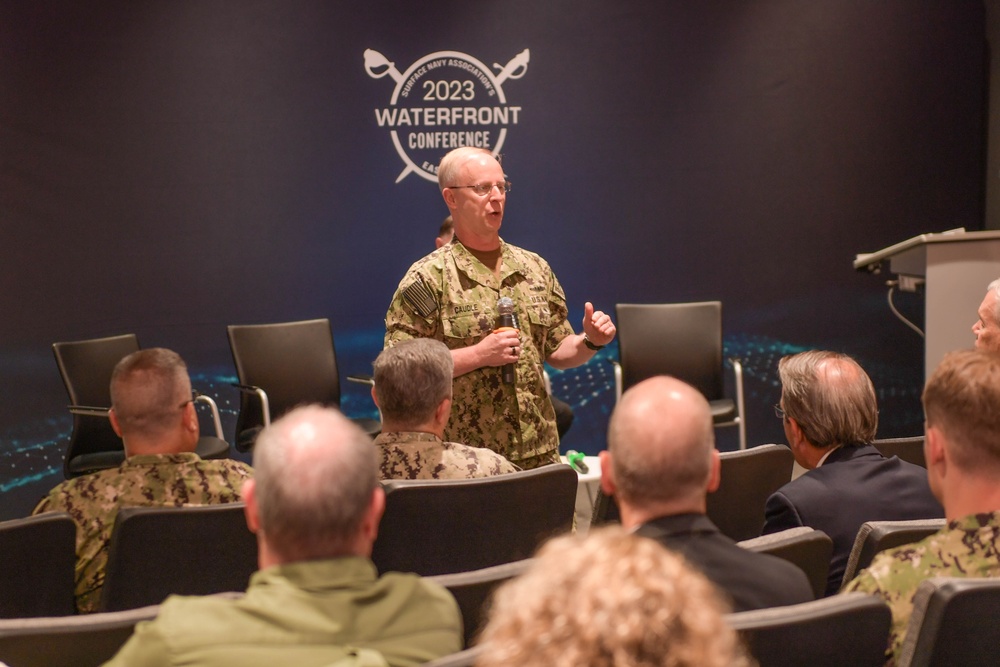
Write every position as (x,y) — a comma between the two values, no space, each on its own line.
(954,268)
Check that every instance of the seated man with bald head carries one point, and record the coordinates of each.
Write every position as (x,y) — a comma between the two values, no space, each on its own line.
(660,465)
(153,412)
(830,415)
(315,504)
(413,393)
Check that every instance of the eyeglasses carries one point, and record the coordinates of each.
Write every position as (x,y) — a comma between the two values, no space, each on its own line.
(194,399)
(484,189)
(778,412)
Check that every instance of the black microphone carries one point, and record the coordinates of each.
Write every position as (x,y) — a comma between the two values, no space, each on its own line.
(506,320)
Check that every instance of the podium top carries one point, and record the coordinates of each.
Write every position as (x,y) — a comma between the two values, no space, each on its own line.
(869,260)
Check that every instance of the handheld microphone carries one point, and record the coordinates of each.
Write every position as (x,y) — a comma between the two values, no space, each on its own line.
(506,320)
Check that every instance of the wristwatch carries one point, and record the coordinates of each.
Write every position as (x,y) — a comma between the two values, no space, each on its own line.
(591,346)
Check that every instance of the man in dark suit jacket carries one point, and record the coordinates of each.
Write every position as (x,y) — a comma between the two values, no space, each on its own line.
(830,415)
(660,464)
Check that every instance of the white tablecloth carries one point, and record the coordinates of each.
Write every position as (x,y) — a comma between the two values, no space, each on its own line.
(586,492)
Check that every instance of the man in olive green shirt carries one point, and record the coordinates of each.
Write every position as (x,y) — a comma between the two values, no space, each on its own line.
(315,505)
(962,447)
(152,410)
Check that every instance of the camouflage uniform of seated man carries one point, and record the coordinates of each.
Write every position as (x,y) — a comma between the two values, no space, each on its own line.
(413,392)
(153,412)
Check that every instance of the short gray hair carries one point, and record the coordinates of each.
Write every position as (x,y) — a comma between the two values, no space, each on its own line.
(147,390)
(450,163)
(661,447)
(315,472)
(995,286)
(411,380)
(830,397)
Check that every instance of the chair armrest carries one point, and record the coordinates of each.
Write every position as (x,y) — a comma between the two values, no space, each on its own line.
(362,379)
(88,410)
(203,398)
(738,381)
(265,405)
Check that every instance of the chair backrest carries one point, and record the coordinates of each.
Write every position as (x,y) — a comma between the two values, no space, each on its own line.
(86,367)
(679,339)
(87,640)
(876,536)
(850,629)
(910,450)
(809,549)
(37,557)
(293,362)
(445,526)
(749,477)
(954,623)
(194,550)
(473,590)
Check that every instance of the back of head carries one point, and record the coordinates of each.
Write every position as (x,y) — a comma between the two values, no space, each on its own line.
(962,400)
(314,472)
(608,599)
(830,397)
(149,390)
(661,439)
(411,379)
(452,162)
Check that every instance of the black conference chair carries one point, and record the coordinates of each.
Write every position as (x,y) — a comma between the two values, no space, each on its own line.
(160,551)
(850,629)
(748,478)
(281,366)
(683,340)
(907,449)
(473,590)
(953,624)
(444,526)
(877,536)
(38,557)
(804,547)
(86,368)
(87,640)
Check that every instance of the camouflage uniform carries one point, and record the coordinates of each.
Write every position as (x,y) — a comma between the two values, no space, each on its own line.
(149,480)
(460,309)
(966,547)
(415,455)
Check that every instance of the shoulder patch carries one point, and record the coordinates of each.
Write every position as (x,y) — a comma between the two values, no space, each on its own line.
(420,298)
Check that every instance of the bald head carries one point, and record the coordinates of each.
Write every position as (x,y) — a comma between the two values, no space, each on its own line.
(314,477)
(661,441)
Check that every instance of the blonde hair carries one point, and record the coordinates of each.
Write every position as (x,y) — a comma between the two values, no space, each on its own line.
(610,599)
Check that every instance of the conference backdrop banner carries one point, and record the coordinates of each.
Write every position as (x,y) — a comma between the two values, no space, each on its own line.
(169,168)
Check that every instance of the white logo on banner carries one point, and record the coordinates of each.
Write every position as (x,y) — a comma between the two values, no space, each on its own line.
(442,101)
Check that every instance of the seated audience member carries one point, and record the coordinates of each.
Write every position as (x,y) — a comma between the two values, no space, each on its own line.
(153,412)
(413,392)
(610,598)
(830,415)
(445,233)
(962,409)
(314,504)
(987,327)
(660,464)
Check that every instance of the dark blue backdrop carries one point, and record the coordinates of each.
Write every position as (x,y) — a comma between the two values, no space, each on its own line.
(168,168)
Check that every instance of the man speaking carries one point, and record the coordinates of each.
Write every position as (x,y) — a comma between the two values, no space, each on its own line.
(452,295)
